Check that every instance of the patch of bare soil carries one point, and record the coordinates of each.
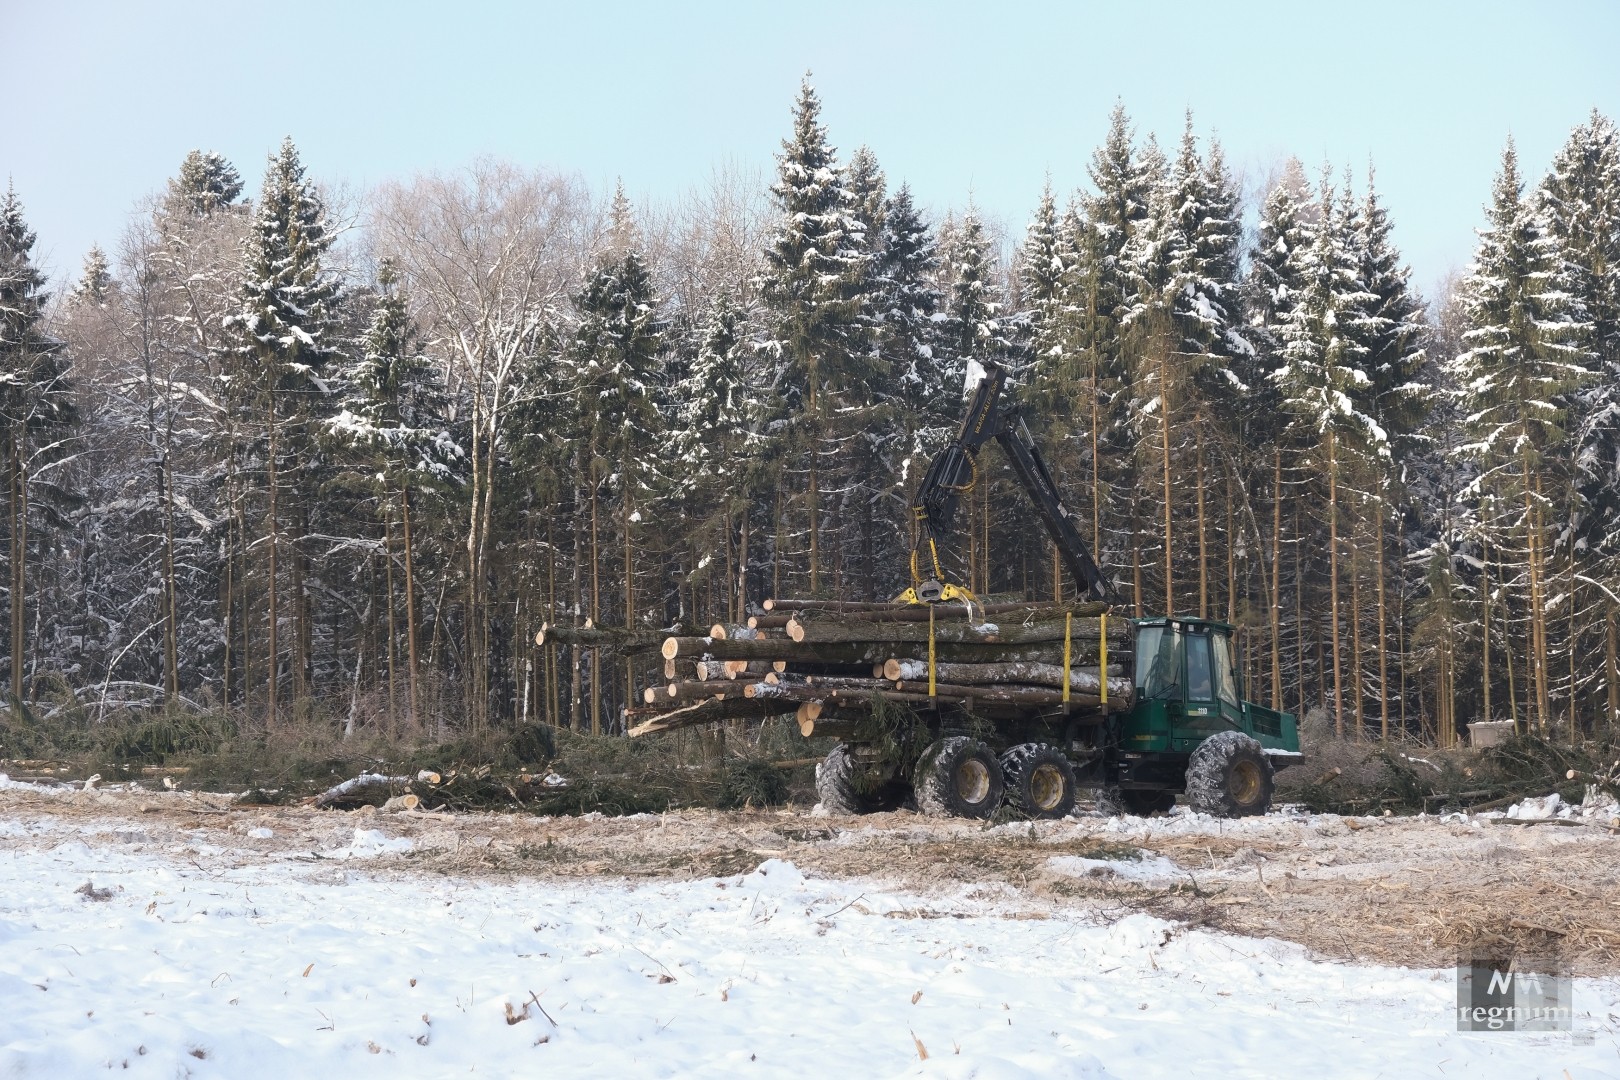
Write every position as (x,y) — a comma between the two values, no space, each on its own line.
(1412,891)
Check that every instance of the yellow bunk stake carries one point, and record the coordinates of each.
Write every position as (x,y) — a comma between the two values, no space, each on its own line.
(1102,658)
(930,650)
(1068,653)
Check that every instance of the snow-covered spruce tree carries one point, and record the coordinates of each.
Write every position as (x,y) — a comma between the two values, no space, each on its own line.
(1276,267)
(1211,305)
(1275,282)
(616,363)
(95,281)
(981,326)
(207,182)
(1323,369)
(393,422)
(1393,329)
(1524,358)
(1098,394)
(182,271)
(1182,325)
(1042,276)
(36,404)
(868,191)
(865,440)
(717,456)
(286,331)
(1580,201)
(815,269)
(909,312)
(977,322)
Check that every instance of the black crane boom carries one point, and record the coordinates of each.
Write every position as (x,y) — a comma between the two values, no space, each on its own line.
(954,470)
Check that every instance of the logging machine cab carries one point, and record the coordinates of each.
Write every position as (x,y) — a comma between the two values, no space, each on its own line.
(1189,686)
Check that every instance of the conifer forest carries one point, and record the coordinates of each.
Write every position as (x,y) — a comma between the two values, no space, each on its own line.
(294,452)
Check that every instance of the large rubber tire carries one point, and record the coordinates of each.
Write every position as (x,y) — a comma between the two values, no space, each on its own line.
(1137,802)
(958,777)
(1039,780)
(846,788)
(1229,776)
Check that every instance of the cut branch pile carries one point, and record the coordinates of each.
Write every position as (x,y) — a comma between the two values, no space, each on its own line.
(829,663)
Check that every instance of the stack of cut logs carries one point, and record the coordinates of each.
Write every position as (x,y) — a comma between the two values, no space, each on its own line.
(827,662)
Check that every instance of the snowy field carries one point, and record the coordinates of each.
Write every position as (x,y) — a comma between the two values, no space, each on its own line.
(167,959)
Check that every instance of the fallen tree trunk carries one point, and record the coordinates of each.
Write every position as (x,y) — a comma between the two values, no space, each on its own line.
(350,787)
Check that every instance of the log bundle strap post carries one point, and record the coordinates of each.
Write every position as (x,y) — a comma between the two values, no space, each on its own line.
(1102,657)
(1068,656)
(931,652)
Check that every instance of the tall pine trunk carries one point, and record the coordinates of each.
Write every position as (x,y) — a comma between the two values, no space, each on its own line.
(1333,581)
(411,672)
(19,555)
(1164,425)
(1383,627)
(596,611)
(272,648)
(1276,584)
(393,633)
(1611,653)
(171,603)
(1203,534)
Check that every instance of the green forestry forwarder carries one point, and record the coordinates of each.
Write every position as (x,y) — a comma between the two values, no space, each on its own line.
(1186,729)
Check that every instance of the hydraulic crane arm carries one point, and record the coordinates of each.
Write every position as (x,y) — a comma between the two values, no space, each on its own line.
(952,474)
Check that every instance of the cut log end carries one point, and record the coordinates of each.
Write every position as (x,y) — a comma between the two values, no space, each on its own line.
(718,631)
(795,630)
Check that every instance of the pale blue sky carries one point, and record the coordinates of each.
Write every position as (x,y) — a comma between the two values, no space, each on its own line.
(105,98)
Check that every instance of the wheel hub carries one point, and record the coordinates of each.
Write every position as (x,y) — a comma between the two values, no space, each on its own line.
(1245,782)
(1046,787)
(972,781)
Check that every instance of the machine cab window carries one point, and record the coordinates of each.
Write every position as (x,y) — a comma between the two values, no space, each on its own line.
(1190,660)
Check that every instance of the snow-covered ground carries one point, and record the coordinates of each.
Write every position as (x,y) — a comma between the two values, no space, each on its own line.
(189,959)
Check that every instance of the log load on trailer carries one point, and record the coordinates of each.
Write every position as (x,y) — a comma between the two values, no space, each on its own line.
(963,706)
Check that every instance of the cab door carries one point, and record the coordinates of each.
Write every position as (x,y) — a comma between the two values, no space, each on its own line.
(1228,688)
(1202,699)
